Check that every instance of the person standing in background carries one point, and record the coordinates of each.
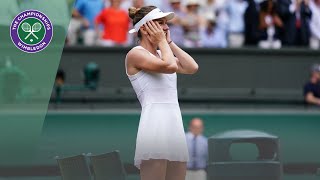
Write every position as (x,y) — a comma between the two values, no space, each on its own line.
(235,10)
(315,24)
(192,23)
(270,25)
(251,23)
(212,35)
(116,24)
(198,151)
(83,16)
(296,16)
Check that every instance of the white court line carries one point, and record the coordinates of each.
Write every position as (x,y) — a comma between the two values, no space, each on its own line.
(187,111)
(195,111)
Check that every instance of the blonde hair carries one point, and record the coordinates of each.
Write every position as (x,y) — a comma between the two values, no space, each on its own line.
(133,11)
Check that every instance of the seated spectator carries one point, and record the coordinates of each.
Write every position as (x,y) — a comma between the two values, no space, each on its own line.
(296,16)
(269,25)
(115,29)
(82,22)
(315,24)
(235,10)
(312,87)
(211,35)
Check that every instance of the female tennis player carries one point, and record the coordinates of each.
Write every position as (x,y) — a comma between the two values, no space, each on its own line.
(161,149)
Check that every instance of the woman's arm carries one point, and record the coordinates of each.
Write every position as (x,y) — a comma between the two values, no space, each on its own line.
(262,22)
(310,98)
(140,59)
(186,64)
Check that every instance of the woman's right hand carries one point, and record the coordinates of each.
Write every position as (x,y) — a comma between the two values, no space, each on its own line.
(155,32)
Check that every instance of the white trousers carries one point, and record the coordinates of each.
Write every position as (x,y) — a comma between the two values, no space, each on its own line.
(314,43)
(270,44)
(236,40)
(196,175)
(89,35)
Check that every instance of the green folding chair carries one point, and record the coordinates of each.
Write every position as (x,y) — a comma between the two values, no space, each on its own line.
(74,168)
(108,166)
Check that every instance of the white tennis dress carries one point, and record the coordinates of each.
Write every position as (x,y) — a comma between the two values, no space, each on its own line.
(160,133)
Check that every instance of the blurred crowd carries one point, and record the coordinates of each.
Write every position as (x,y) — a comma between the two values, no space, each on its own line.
(198,23)
(203,23)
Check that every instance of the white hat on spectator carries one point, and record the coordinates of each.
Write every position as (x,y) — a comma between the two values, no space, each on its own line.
(192,2)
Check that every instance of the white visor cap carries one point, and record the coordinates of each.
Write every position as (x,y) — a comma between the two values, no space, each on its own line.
(152,15)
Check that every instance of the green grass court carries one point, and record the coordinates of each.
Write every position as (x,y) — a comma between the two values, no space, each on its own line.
(68,133)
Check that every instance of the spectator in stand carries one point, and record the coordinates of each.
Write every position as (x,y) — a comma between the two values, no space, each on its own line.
(270,26)
(251,21)
(235,10)
(211,6)
(175,25)
(315,24)
(191,24)
(82,21)
(116,25)
(312,87)
(219,10)
(296,16)
(211,35)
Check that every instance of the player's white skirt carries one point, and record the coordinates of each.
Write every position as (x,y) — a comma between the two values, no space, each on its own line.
(161,134)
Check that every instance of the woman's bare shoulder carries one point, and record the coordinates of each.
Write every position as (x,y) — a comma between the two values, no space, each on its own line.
(137,53)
